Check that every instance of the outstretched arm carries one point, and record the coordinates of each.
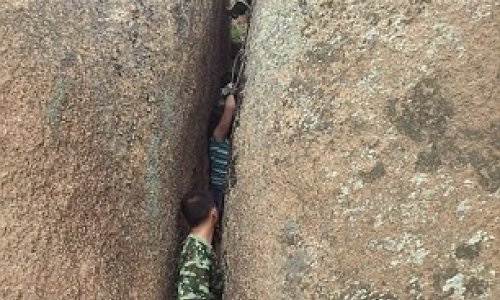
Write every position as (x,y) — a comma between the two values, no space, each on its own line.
(222,129)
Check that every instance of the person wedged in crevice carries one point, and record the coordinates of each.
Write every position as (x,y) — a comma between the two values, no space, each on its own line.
(222,117)
(219,143)
(240,13)
(200,274)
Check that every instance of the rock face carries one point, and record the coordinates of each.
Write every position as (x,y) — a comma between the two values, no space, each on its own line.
(367,158)
(102,118)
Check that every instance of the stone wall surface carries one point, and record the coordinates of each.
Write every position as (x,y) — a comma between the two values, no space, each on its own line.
(102,110)
(367,155)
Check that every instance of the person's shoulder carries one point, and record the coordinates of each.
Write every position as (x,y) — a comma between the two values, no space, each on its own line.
(192,243)
(196,251)
(189,244)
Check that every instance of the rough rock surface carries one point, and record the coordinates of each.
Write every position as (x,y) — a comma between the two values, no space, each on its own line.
(100,135)
(368,153)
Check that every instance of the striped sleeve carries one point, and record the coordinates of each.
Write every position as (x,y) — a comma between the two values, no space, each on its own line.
(219,152)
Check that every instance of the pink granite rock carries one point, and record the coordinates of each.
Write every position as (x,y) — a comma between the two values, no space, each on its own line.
(367,155)
(103,111)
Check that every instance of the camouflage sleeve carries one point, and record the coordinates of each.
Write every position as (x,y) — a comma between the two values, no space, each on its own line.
(194,280)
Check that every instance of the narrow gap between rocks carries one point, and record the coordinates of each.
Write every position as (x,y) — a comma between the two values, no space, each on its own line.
(232,79)
(230,67)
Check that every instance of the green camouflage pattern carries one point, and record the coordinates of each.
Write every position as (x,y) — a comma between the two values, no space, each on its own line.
(200,277)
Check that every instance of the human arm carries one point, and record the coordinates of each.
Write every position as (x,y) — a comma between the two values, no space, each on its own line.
(222,129)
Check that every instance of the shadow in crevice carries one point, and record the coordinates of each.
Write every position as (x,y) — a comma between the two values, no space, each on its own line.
(206,75)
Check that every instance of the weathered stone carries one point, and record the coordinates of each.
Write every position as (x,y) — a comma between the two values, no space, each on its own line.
(103,111)
(368,159)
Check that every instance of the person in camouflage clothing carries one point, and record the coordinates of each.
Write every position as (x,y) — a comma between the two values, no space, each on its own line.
(200,277)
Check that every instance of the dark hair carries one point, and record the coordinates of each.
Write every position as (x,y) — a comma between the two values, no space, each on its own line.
(196,207)
(240,8)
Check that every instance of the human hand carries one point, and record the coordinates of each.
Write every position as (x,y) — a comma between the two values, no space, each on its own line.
(228,89)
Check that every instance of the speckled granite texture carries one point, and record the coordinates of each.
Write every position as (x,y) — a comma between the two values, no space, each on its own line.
(368,151)
(103,110)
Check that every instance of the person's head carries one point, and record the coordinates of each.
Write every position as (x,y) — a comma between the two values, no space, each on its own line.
(199,209)
(240,8)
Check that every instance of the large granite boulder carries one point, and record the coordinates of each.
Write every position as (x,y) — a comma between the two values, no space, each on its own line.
(103,110)
(367,157)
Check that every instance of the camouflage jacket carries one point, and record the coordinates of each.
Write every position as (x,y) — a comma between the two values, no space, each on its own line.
(200,277)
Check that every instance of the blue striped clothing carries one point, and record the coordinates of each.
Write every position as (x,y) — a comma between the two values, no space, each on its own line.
(219,152)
